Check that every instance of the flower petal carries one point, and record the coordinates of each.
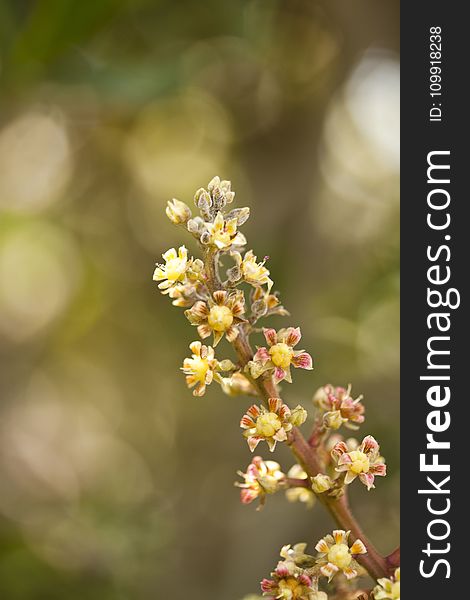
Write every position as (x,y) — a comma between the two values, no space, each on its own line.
(322,546)
(350,477)
(253,441)
(170,255)
(368,480)
(340,536)
(279,374)
(379,469)
(329,570)
(275,405)
(231,333)
(369,444)
(204,331)
(293,336)
(262,355)
(350,573)
(303,361)
(220,296)
(358,547)
(271,336)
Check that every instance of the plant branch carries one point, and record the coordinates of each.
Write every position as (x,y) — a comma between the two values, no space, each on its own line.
(305,452)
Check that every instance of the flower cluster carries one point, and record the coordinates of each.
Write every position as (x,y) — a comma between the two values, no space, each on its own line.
(270,424)
(364,462)
(213,227)
(326,463)
(278,359)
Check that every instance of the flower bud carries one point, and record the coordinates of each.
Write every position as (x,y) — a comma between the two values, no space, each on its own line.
(234,274)
(177,211)
(269,483)
(205,237)
(195,225)
(226,365)
(197,266)
(237,385)
(298,416)
(333,419)
(202,198)
(214,182)
(229,196)
(259,308)
(241,214)
(321,483)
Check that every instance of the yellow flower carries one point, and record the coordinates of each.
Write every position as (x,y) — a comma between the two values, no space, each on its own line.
(174,270)
(223,234)
(262,477)
(202,368)
(251,271)
(388,589)
(335,554)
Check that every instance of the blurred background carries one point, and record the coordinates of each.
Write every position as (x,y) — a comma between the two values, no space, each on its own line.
(115,483)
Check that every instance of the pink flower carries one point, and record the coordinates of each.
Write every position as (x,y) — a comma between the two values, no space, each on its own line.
(364,462)
(280,355)
(340,408)
(261,477)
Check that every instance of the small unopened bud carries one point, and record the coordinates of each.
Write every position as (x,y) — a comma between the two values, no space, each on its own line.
(177,211)
(205,237)
(259,308)
(202,197)
(197,266)
(218,198)
(269,483)
(298,416)
(234,274)
(237,385)
(225,185)
(322,483)
(241,214)
(226,365)
(229,196)
(195,225)
(333,419)
(214,182)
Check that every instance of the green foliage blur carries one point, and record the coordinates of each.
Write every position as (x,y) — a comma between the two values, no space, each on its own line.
(115,483)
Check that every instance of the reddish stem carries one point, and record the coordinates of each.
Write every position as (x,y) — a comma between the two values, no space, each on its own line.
(393,559)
